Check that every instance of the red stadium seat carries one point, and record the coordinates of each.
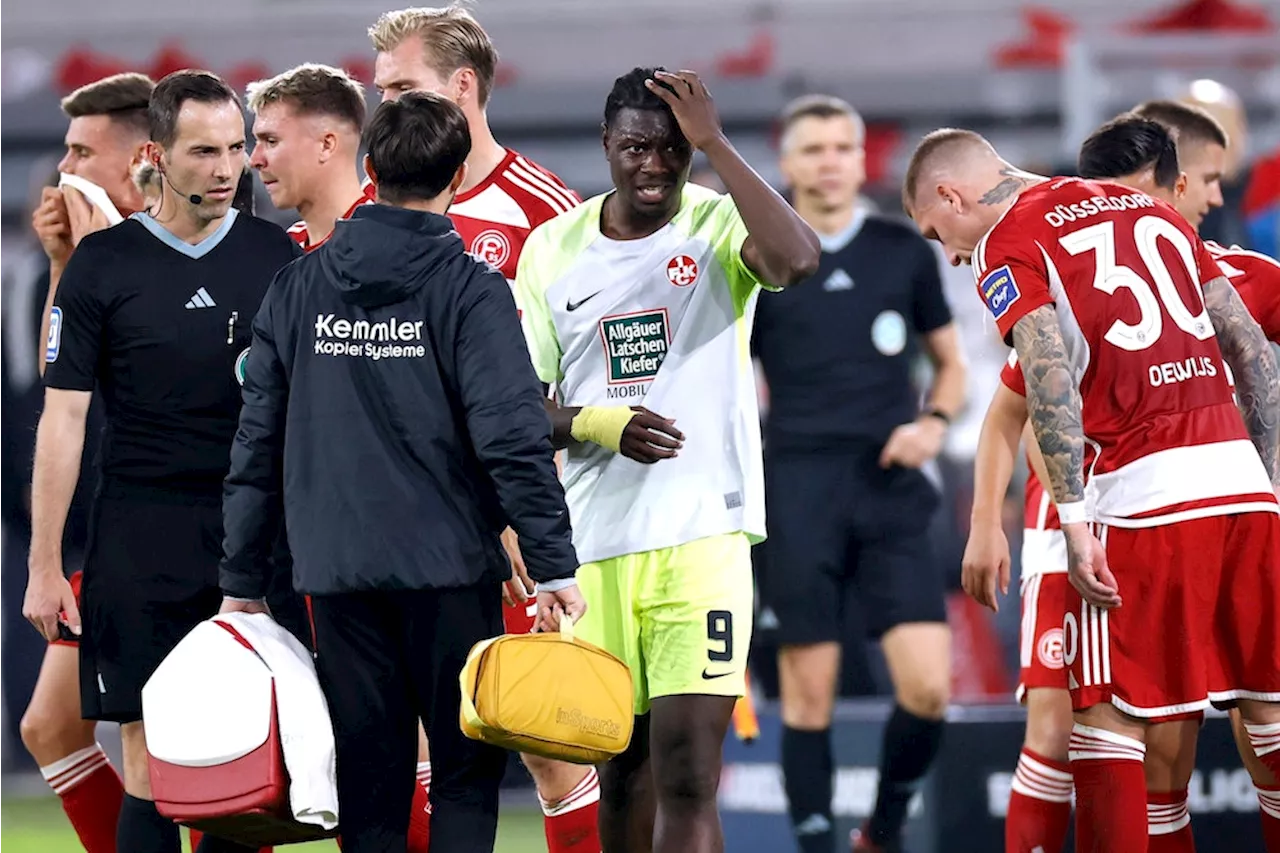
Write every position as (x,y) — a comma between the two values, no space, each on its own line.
(213,738)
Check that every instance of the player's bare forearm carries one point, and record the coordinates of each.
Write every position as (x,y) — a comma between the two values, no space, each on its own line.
(561,422)
(59,444)
(1253,365)
(1034,456)
(781,247)
(950,371)
(997,453)
(55,275)
(1053,401)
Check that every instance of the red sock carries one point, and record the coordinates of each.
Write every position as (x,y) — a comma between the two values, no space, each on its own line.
(1169,823)
(1111,791)
(420,817)
(571,824)
(91,793)
(1269,800)
(1039,805)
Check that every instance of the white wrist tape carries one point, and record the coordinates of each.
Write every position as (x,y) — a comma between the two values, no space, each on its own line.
(1074,512)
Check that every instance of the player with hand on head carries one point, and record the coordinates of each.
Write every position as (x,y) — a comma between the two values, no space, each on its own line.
(642,299)
(306,130)
(1139,153)
(105,141)
(1179,519)
(503,197)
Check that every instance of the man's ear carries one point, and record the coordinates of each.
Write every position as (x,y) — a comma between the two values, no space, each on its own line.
(1180,186)
(153,152)
(950,196)
(369,173)
(459,178)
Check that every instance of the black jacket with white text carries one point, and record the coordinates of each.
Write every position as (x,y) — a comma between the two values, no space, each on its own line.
(392,414)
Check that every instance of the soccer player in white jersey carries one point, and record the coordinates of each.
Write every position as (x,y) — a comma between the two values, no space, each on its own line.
(643,297)
(503,197)
(306,131)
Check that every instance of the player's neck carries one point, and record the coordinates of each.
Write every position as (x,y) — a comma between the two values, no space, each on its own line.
(826,222)
(332,200)
(485,155)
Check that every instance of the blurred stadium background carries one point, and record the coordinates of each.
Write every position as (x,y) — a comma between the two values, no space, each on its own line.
(1035,78)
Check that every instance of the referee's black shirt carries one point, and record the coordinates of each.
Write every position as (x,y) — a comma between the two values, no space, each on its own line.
(838,349)
(162,328)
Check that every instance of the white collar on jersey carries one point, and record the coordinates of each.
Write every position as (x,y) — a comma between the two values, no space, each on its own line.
(835,242)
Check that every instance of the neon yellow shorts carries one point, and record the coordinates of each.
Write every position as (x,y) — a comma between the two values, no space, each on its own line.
(679,617)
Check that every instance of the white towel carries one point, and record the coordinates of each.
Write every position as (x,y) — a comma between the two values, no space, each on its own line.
(94,194)
(306,732)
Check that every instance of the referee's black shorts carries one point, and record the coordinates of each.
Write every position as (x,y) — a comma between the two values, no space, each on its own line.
(838,520)
(150,576)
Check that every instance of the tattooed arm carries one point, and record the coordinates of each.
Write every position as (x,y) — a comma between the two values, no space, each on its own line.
(1054,409)
(1253,365)
(1053,401)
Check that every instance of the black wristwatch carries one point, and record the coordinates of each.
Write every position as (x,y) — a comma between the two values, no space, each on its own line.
(935,412)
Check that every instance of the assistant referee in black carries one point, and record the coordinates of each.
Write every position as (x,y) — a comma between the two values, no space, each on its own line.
(848,505)
(155,314)
(392,414)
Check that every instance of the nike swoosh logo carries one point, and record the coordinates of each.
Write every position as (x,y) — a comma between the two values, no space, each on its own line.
(574,306)
(708,676)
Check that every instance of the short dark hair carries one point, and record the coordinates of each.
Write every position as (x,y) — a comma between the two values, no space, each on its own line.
(175,90)
(123,98)
(1190,125)
(630,92)
(416,144)
(1127,145)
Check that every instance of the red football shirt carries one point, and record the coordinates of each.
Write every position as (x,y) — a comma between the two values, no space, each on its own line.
(1256,278)
(1164,440)
(495,216)
(298,230)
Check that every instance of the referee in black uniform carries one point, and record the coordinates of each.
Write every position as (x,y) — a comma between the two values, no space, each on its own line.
(155,313)
(847,503)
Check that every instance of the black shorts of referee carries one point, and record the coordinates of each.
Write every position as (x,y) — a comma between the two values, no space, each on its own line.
(838,520)
(150,576)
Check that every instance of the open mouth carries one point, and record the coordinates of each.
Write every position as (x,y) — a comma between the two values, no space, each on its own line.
(653,194)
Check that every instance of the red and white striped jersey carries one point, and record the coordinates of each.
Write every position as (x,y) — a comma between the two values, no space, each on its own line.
(1124,272)
(495,216)
(1256,278)
(298,230)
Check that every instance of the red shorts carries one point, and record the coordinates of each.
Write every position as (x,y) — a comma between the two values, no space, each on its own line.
(75,590)
(1044,601)
(520,618)
(1200,621)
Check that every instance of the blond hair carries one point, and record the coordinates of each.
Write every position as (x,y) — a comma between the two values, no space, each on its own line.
(931,153)
(312,89)
(451,37)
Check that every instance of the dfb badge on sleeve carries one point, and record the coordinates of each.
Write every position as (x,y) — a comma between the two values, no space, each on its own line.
(999,290)
(54,342)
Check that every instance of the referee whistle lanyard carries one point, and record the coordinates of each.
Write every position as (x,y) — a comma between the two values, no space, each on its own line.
(231,328)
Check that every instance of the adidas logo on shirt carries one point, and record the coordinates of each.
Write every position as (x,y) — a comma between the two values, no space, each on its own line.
(838,280)
(201,299)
